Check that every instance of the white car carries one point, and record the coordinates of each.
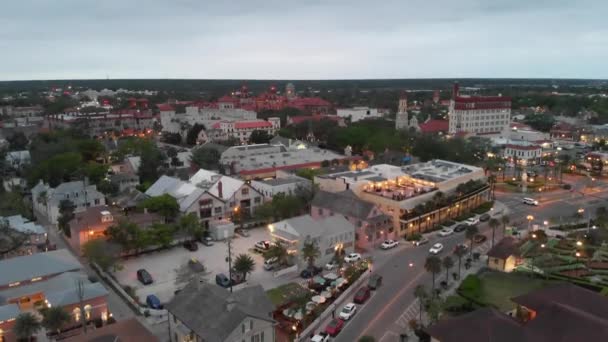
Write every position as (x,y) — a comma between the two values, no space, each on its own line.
(472,221)
(530,201)
(420,242)
(320,337)
(388,244)
(352,257)
(446,232)
(436,249)
(331,265)
(271,263)
(348,311)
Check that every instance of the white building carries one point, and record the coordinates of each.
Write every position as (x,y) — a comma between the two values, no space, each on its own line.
(46,200)
(173,122)
(479,115)
(242,130)
(524,151)
(284,184)
(358,113)
(18,159)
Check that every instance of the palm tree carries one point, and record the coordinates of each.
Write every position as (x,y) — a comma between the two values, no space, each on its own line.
(310,252)
(492,181)
(278,251)
(447,264)
(505,221)
(54,318)
(493,223)
(470,233)
(433,266)
(460,251)
(421,294)
(26,325)
(244,264)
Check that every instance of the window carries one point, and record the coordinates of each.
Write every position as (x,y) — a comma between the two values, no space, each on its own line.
(320,211)
(97,201)
(257,200)
(245,191)
(251,324)
(217,210)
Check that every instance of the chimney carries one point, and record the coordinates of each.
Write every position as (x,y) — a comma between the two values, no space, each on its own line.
(220,189)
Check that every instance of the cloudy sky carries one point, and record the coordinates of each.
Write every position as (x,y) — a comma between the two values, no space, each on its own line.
(305,39)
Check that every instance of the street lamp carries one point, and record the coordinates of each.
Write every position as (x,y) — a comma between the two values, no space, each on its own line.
(529,218)
(579,243)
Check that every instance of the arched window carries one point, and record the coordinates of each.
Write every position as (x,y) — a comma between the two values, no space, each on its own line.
(77,314)
(87,311)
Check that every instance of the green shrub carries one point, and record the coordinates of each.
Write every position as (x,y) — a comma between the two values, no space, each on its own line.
(457,304)
(414,237)
(470,288)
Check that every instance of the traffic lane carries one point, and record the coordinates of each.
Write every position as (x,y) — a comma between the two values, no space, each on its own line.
(396,292)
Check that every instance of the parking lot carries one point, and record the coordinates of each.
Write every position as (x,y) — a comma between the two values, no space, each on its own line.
(163,265)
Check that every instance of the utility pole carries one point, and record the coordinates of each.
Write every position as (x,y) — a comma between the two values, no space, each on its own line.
(229,259)
(80,293)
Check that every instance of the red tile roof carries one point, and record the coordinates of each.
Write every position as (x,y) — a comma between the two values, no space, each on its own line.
(163,107)
(252,124)
(226,98)
(434,126)
(482,102)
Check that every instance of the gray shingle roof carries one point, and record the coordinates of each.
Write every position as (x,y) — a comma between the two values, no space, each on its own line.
(37,265)
(204,309)
(70,295)
(344,203)
(9,311)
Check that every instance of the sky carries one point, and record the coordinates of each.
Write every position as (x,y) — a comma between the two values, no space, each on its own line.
(305,39)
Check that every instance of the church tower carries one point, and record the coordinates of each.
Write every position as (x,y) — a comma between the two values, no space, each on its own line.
(402,119)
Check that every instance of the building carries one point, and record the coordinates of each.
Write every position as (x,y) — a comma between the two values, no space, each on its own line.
(479,115)
(264,160)
(28,111)
(92,223)
(329,234)
(124,181)
(205,114)
(245,315)
(434,126)
(562,312)
(504,256)
(23,237)
(30,283)
(299,119)
(122,331)
(123,122)
(371,224)
(402,120)
(18,159)
(523,152)
(399,191)
(46,200)
(565,132)
(241,130)
(286,184)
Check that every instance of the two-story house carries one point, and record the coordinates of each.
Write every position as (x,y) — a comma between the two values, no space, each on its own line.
(46,200)
(206,312)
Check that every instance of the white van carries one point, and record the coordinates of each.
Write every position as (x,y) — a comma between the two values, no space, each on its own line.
(271,263)
(530,201)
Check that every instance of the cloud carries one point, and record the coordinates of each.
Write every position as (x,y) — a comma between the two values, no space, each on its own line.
(313,39)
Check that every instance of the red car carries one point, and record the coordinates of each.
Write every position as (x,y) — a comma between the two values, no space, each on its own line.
(334,327)
(362,295)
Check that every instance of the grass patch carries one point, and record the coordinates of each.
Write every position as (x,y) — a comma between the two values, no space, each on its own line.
(284,293)
(498,288)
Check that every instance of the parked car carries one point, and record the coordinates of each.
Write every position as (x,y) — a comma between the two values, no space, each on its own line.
(310,272)
(420,242)
(263,245)
(334,327)
(144,277)
(222,280)
(271,263)
(479,238)
(191,245)
(331,265)
(352,257)
(461,228)
(461,245)
(484,217)
(362,295)
(388,244)
(374,281)
(207,241)
(530,201)
(348,311)
(436,249)
(153,302)
(320,337)
(446,232)
(472,221)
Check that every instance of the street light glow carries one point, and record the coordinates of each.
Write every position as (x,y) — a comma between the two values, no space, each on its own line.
(579,243)
(530,217)
(542,245)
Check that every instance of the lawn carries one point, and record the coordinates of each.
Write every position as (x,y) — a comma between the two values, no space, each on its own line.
(282,294)
(498,288)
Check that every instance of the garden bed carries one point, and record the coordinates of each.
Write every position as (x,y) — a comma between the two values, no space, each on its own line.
(282,294)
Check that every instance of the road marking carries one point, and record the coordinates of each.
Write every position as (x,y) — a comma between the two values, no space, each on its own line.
(389,336)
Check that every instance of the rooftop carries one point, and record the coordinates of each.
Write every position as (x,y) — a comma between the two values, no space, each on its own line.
(37,265)
(122,331)
(344,203)
(505,248)
(305,225)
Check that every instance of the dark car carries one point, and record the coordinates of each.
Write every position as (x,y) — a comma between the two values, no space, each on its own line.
(192,246)
(362,295)
(479,238)
(461,227)
(484,217)
(222,280)
(153,302)
(207,241)
(310,272)
(334,327)
(374,282)
(144,277)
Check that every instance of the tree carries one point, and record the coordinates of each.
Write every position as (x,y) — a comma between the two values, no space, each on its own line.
(150,161)
(433,266)
(101,253)
(470,234)
(493,223)
(107,188)
(159,234)
(310,252)
(259,137)
(26,325)
(505,221)
(460,251)
(244,264)
(17,141)
(54,318)
(278,251)
(447,264)
(165,205)
(421,294)
(189,224)
(192,134)
(206,158)
(128,235)
(435,306)
(66,214)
